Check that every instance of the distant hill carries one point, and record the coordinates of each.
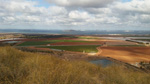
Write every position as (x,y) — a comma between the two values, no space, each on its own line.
(77,32)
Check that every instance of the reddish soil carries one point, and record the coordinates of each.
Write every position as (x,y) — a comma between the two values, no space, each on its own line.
(32,47)
(126,54)
(110,42)
(117,42)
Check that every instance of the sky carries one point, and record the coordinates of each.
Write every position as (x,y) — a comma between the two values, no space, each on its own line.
(75,14)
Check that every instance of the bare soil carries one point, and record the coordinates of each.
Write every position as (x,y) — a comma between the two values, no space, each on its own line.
(126,54)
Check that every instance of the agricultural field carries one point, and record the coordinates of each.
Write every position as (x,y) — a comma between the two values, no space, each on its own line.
(54,41)
(75,46)
(67,44)
(141,45)
(128,54)
(88,37)
(33,43)
(84,48)
(119,49)
(10,36)
(143,39)
(86,44)
(117,42)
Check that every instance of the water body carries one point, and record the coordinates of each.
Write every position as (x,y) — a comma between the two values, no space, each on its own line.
(125,38)
(57,49)
(129,38)
(103,62)
(11,42)
(74,32)
(10,39)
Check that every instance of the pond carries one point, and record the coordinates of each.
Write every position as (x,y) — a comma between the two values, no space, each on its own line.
(56,49)
(103,62)
(11,42)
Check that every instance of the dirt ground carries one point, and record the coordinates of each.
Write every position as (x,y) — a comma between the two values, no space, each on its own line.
(119,42)
(32,47)
(126,54)
(110,41)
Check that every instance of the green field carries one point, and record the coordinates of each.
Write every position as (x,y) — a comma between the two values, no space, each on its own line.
(143,39)
(55,41)
(86,48)
(33,43)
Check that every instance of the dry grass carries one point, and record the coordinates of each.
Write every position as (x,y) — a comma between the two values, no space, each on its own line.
(17,67)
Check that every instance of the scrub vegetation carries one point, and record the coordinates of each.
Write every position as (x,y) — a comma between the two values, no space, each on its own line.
(18,67)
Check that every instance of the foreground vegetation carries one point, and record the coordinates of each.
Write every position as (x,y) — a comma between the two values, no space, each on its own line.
(17,67)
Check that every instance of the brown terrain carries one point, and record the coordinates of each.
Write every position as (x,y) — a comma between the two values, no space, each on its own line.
(126,54)
(119,42)
(32,47)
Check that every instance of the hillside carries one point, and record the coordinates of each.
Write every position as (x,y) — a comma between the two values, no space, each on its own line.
(18,67)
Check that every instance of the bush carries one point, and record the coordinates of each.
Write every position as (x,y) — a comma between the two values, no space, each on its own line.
(17,67)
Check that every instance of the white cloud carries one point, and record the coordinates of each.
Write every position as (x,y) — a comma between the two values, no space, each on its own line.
(133,12)
(57,10)
(79,15)
(82,3)
(135,6)
(75,14)
(13,6)
(9,19)
(26,12)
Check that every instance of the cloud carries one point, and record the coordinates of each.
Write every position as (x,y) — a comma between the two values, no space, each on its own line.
(135,6)
(76,14)
(9,19)
(57,10)
(79,15)
(136,11)
(26,12)
(81,3)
